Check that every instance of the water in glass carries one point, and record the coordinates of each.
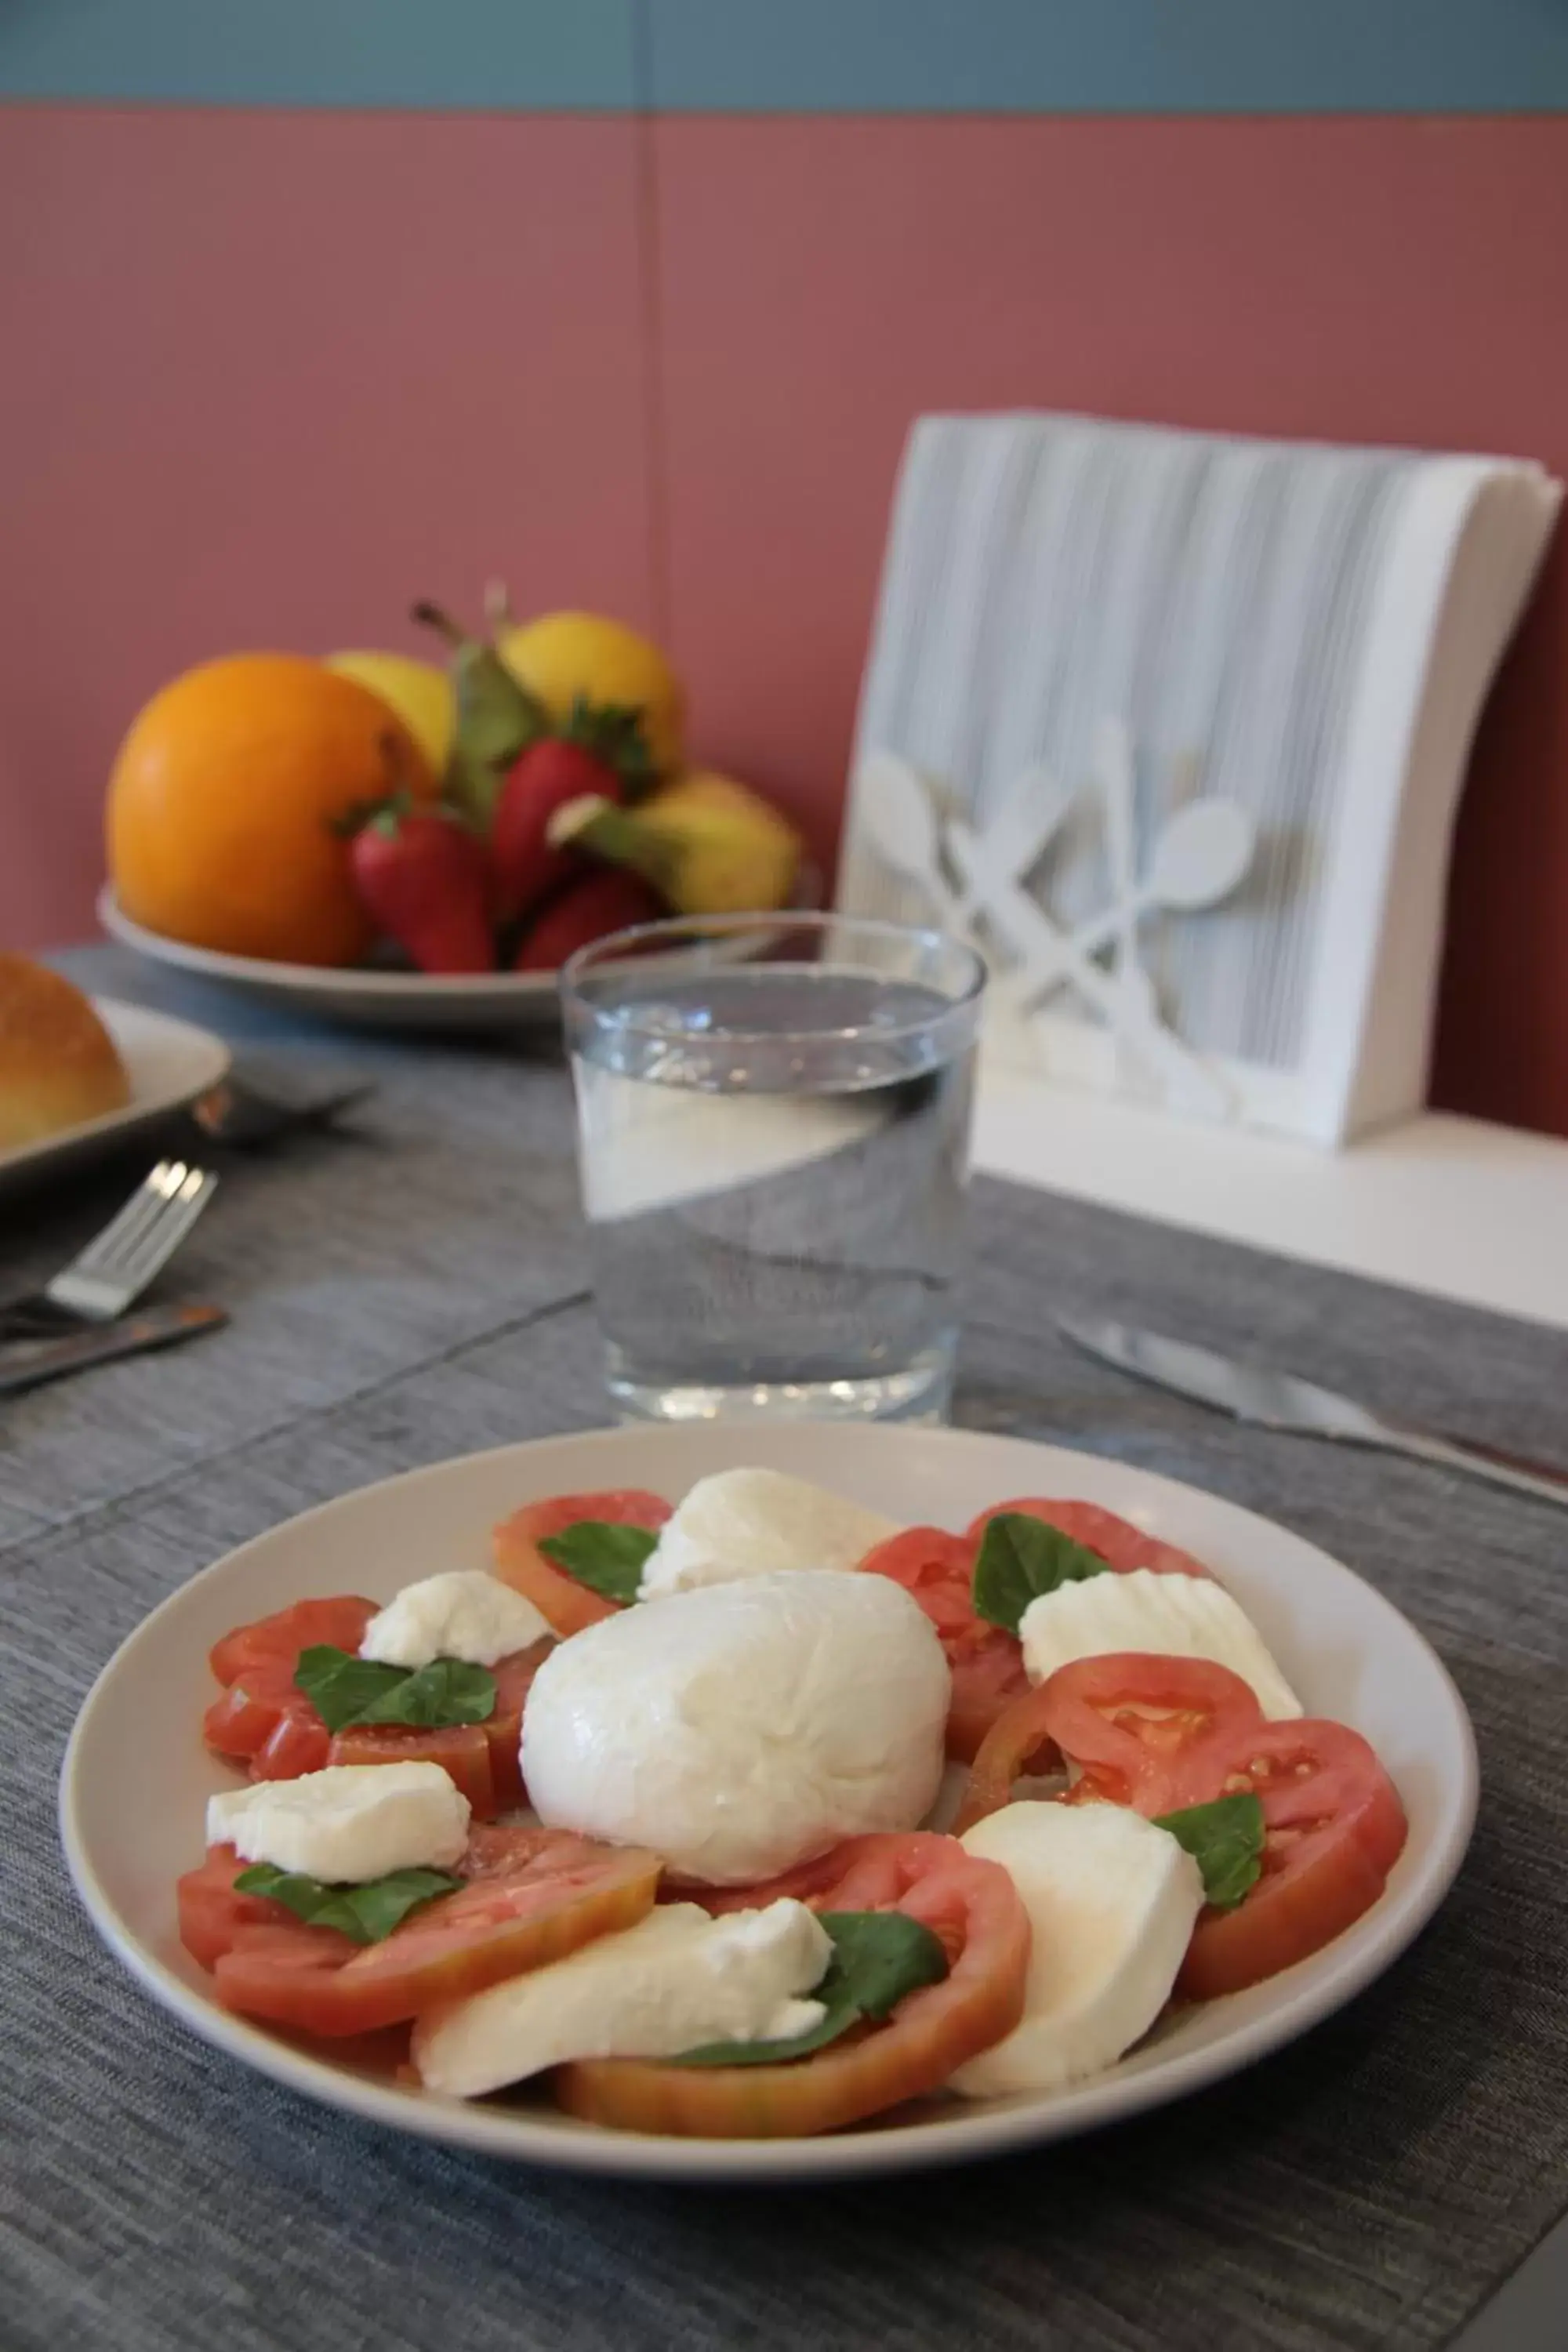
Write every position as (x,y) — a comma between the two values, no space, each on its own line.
(773,1160)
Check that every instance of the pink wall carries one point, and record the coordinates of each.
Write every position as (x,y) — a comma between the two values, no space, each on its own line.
(266,379)
(269,375)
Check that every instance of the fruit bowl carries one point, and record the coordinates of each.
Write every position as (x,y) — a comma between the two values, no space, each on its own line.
(371,997)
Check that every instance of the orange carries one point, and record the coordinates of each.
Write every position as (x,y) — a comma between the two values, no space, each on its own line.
(222,802)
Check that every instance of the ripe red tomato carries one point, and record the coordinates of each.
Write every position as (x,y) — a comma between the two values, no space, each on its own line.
(1333,1829)
(278,1640)
(1142,1729)
(972,1905)
(1123,1718)
(514,1680)
(261,1720)
(986,1661)
(540,1896)
(212,1912)
(567,1605)
(1118,1543)
(987,1665)
(1162,1734)
(461,1749)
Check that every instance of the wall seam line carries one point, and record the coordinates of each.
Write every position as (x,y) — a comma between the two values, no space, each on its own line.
(650,324)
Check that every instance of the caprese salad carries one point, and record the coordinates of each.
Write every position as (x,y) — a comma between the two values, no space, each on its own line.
(645,1811)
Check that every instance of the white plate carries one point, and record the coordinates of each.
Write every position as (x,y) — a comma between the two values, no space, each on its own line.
(168,1063)
(402,1000)
(369,1000)
(136,1778)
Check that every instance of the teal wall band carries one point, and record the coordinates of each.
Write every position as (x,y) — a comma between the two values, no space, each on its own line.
(798,57)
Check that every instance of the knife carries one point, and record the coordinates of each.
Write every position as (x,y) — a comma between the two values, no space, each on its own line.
(26,1363)
(1279,1400)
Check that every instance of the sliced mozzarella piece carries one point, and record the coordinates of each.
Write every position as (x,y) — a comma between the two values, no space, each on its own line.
(1111,1902)
(742,1728)
(1167,1616)
(348,1823)
(674,1982)
(464,1614)
(757,1522)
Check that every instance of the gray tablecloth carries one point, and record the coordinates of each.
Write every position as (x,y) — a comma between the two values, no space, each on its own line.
(415,1290)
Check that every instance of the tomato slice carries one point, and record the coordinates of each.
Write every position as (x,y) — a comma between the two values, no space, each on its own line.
(1130,1722)
(986,1661)
(937,1569)
(972,1905)
(987,1677)
(461,1749)
(1335,1828)
(567,1605)
(261,1720)
(514,1680)
(278,1640)
(212,1912)
(1118,1543)
(538,1898)
(1161,1734)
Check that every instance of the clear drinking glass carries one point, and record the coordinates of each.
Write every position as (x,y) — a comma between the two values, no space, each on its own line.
(774,1115)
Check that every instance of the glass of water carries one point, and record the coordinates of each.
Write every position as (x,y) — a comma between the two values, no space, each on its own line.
(773,1114)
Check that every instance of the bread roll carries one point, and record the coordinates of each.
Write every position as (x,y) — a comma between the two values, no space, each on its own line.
(59,1065)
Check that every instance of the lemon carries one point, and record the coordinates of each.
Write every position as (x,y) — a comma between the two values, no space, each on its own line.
(564,655)
(419,693)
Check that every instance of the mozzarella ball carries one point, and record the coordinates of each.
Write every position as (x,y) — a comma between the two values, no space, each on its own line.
(744,1727)
(464,1614)
(754,1523)
(346,1823)
(1111,1900)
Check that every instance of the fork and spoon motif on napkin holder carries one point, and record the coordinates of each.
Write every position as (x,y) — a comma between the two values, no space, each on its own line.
(974,881)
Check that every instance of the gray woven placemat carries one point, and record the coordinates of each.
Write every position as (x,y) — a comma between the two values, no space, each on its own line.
(411,1296)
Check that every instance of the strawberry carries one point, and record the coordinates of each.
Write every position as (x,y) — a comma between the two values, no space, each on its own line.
(548,775)
(605,900)
(422,876)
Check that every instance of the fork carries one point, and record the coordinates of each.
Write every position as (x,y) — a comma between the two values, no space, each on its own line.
(102,1280)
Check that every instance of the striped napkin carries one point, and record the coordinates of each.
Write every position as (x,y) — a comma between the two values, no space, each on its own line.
(1307,630)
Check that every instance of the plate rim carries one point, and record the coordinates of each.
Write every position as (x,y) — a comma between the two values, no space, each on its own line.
(263,973)
(881,2149)
(129,1116)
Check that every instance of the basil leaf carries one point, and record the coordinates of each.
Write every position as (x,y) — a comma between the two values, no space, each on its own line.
(1226,1840)
(878,1956)
(340,1687)
(345,1690)
(606,1557)
(366,1913)
(1021,1558)
(448,1690)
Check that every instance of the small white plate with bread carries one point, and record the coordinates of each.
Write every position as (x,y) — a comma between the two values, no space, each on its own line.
(80,1074)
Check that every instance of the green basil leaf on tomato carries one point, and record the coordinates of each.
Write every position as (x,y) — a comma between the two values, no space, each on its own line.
(878,1956)
(1020,1558)
(1226,1839)
(448,1690)
(346,1690)
(367,1912)
(607,1558)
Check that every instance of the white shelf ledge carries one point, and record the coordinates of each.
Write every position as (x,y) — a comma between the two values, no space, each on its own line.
(1441,1203)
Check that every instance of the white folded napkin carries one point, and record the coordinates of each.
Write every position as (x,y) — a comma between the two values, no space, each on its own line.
(1304,630)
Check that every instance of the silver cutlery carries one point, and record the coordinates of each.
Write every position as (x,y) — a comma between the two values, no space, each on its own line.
(1280,1401)
(27,1364)
(243,1112)
(110,1274)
